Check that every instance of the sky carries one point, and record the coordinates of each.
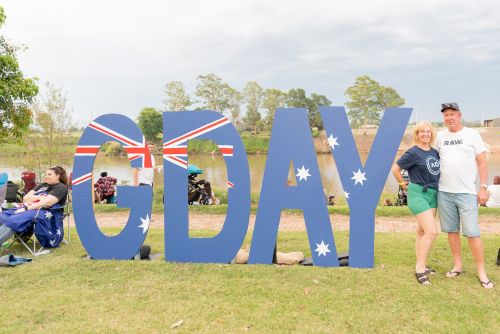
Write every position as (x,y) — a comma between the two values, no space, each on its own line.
(117,56)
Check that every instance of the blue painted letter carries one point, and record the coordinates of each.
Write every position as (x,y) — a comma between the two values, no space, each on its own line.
(291,140)
(178,128)
(111,127)
(363,184)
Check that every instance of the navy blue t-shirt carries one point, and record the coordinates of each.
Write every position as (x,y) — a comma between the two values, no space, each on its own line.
(422,166)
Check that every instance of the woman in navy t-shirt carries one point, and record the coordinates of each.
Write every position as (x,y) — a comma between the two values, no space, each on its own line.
(422,163)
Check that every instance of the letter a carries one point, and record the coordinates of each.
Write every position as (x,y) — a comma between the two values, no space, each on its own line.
(291,140)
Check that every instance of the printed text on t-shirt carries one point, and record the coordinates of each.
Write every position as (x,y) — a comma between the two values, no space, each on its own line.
(453,142)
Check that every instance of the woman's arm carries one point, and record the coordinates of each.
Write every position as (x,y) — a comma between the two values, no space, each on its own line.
(40,202)
(30,197)
(396,171)
(44,202)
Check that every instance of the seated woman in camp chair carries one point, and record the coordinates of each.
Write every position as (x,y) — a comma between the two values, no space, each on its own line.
(50,194)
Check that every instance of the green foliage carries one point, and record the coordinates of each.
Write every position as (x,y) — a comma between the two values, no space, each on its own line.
(235,99)
(112,148)
(255,144)
(273,99)
(16,92)
(253,95)
(367,100)
(387,97)
(297,98)
(151,123)
(49,137)
(317,101)
(213,92)
(177,98)
(199,146)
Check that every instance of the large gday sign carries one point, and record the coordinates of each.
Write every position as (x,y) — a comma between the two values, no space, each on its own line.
(291,141)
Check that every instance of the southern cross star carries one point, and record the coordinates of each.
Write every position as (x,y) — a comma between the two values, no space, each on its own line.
(303,173)
(346,194)
(145,224)
(358,177)
(322,249)
(48,214)
(333,141)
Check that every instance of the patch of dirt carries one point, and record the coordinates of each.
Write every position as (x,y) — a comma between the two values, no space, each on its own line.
(291,222)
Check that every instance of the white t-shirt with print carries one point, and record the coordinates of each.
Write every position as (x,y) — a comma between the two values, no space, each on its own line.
(494,192)
(146,175)
(457,152)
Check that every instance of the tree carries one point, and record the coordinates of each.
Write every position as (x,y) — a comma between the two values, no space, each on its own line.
(50,133)
(368,99)
(273,99)
(297,98)
(253,95)
(177,98)
(388,98)
(214,93)
(150,121)
(235,99)
(317,101)
(16,92)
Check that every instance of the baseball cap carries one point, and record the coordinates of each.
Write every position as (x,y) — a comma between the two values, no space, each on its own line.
(449,105)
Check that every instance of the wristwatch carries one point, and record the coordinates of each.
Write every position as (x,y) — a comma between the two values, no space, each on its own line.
(485,186)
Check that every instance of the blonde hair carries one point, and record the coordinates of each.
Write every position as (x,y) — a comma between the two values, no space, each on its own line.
(419,127)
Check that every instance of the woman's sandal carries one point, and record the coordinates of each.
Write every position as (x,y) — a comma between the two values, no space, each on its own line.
(454,273)
(422,278)
(429,271)
(487,284)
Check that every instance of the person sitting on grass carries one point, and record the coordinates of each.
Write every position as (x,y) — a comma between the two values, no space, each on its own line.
(50,193)
(105,188)
(494,193)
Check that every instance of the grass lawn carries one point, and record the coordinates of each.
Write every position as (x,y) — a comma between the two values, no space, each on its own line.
(63,292)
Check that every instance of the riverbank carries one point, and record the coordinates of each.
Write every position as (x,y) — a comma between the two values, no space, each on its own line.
(257,144)
(491,137)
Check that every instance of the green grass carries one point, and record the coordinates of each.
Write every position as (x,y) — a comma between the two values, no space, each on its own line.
(63,292)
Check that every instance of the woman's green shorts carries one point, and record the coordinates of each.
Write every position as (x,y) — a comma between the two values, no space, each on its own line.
(420,201)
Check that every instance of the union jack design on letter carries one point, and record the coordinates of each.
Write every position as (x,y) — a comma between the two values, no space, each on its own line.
(176,148)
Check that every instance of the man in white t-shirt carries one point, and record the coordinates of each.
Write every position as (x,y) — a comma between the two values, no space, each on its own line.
(145,176)
(462,155)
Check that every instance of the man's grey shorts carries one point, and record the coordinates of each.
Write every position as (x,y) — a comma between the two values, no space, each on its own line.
(455,208)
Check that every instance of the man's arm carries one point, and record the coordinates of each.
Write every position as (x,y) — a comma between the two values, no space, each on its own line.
(136,177)
(483,177)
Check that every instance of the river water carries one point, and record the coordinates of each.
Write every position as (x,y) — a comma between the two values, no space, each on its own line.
(214,170)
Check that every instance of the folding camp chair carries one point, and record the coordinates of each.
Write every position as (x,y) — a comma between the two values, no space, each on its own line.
(28,238)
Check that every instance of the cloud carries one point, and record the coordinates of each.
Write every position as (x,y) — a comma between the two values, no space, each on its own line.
(122,53)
